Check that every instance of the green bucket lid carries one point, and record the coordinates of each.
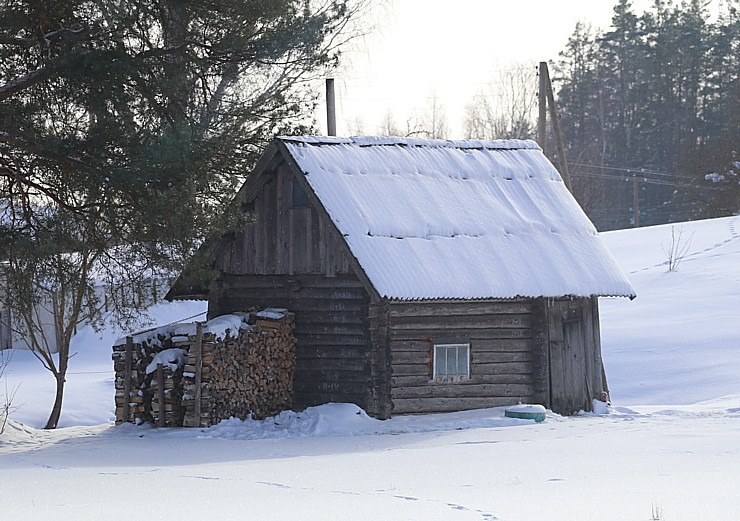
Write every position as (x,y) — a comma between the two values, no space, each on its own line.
(526,412)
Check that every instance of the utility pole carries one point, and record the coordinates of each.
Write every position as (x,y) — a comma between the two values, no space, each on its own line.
(635,201)
(542,105)
(331,113)
(545,81)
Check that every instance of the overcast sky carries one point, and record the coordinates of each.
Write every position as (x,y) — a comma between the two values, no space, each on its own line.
(451,50)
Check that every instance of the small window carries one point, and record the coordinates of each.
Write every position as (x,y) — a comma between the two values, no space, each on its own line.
(451,361)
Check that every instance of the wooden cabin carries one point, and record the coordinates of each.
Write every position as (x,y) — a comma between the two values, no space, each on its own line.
(425,276)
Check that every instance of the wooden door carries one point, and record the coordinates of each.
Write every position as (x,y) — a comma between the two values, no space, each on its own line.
(571,358)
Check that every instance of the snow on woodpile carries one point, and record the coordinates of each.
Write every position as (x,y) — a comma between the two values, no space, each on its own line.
(240,365)
(458,219)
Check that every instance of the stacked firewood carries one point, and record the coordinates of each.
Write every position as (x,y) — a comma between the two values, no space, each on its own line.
(136,411)
(163,385)
(135,399)
(242,373)
(198,374)
(249,373)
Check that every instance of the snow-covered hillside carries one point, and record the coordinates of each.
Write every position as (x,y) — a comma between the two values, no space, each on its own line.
(679,341)
(667,449)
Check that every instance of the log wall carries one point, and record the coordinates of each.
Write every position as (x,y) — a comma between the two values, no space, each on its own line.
(335,360)
(504,368)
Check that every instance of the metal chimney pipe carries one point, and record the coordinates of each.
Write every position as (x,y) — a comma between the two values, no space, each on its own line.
(331,113)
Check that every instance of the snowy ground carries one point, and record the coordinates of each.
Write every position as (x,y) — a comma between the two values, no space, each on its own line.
(668,449)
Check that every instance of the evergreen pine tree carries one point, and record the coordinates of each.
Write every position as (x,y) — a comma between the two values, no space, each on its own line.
(125,126)
(659,95)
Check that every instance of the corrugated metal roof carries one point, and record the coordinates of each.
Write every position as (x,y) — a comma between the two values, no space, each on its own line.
(458,219)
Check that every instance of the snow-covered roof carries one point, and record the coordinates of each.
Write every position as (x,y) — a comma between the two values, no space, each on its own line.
(457,219)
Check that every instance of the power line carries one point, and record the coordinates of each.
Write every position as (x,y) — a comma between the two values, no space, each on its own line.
(643,180)
(632,170)
(622,178)
(494,74)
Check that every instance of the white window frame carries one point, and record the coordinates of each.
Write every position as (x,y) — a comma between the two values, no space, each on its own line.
(446,376)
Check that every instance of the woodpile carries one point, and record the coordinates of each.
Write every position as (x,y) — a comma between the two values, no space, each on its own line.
(196,375)
(164,385)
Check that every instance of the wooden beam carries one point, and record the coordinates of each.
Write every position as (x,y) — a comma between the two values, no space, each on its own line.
(127,378)
(542,104)
(556,130)
(198,369)
(160,396)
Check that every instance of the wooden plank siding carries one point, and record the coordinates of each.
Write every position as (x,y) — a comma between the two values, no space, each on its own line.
(576,370)
(502,360)
(280,238)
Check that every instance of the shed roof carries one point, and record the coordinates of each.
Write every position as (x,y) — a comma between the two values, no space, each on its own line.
(457,219)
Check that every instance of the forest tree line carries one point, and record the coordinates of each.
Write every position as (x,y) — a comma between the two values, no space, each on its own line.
(650,111)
